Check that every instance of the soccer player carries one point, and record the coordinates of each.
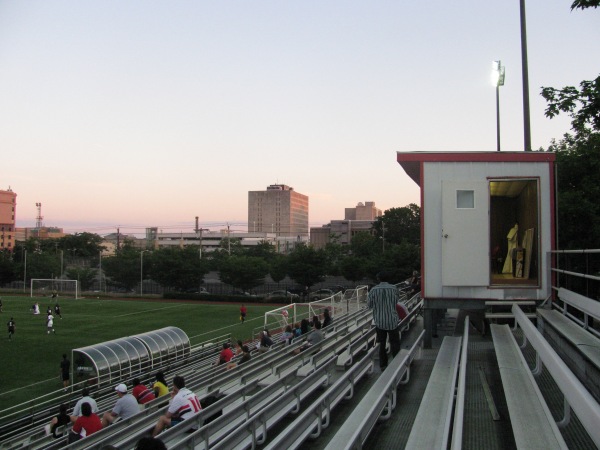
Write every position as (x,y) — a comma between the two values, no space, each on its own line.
(11,327)
(57,310)
(50,323)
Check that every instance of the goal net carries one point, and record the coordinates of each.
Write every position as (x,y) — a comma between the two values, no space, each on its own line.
(41,287)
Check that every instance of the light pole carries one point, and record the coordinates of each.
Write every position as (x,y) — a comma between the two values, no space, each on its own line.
(61,267)
(25,271)
(525,75)
(142,272)
(100,271)
(497,80)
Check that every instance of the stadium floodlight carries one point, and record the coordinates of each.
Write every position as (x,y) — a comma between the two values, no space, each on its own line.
(497,80)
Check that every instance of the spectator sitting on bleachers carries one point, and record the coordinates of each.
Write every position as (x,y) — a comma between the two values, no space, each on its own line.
(287,335)
(88,423)
(125,407)
(326,318)
(85,397)
(315,320)
(59,420)
(160,386)
(238,348)
(226,354)
(265,341)
(304,326)
(245,357)
(141,393)
(312,339)
(183,406)
(297,331)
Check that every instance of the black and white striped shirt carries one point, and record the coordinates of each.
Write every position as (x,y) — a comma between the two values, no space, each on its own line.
(382,300)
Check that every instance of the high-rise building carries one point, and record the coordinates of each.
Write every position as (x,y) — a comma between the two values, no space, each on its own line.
(8,206)
(368,211)
(278,209)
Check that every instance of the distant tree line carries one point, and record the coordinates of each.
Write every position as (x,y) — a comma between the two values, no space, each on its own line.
(392,243)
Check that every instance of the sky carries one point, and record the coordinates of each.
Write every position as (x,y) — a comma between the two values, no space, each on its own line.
(134,114)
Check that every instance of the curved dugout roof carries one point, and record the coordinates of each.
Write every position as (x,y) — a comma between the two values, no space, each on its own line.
(125,357)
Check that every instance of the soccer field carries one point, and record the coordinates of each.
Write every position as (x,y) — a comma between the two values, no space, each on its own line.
(30,362)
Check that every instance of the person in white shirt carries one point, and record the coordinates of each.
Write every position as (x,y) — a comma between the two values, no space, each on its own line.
(50,323)
(85,398)
(184,405)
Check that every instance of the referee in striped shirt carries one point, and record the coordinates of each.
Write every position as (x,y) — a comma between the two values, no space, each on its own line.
(382,300)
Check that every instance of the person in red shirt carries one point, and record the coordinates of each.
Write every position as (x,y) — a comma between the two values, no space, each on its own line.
(243,312)
(226,354)
(141,393)
(88,423)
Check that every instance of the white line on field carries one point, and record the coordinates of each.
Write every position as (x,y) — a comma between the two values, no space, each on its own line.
(151,310)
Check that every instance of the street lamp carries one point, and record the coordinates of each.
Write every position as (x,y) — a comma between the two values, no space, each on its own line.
(142,271)
(497,80)
(100,270)
(25,270)
(61,267)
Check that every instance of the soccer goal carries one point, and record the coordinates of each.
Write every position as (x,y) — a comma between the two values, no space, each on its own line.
(41,287)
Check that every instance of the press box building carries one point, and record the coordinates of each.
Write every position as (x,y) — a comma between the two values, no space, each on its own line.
(487,225)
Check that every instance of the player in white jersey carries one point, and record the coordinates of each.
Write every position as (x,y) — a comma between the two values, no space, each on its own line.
(50,323)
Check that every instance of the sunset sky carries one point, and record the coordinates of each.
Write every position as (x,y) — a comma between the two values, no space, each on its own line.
(149,113)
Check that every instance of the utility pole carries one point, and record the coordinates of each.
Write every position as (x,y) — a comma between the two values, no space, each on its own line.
(199,231)
(228,241)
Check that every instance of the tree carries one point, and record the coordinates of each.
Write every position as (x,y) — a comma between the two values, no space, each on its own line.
(244,272)
(124,267)
(263,249)
(177,268)
(578,158)
(583,105)
(334,253)
(583,4)
(401,259)
(85,276)
(355,268)
(278,268)
(578,166)
(8,267)
(81,244)
(400,225)
(365,245)
(306,265)
(41,265)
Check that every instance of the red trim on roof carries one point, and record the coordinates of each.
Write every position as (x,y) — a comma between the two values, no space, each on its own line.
(412,162)
(475,156)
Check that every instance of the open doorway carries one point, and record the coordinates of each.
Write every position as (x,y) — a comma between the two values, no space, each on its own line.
(514,231)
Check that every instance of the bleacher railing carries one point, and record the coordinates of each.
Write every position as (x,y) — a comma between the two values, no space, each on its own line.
(575,394)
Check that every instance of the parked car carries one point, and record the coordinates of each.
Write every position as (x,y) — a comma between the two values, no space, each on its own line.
(320,294)
(338,288)
(245,293)
(284,294)
(197,291)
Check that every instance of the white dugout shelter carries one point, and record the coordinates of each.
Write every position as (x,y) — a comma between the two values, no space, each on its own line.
(106,362)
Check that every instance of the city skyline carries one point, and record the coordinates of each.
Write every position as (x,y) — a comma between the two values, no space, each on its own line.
(120,114)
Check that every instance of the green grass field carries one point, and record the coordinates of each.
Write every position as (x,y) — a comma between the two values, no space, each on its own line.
(30,362)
